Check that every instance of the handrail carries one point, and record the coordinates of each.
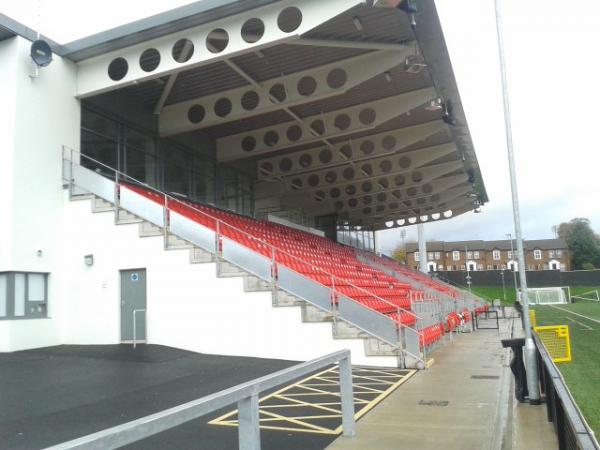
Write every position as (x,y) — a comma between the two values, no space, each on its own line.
(134,325)
(167,196)
(246,396)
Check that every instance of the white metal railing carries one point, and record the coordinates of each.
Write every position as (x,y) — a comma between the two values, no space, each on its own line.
(110,191)
(134,314)
(247,397)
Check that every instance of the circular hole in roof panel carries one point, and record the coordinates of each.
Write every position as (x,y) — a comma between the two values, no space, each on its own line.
(117,69)
(196,114)
(217,40)
(388,142)
(285,164)
(325,156)
(342,122)
(367,116)
(367,147)
(182,50)
(248,143)
(223,107)
(318,126)
(348,173)
(277,92)
(294,133)
(336,78)
(149,60)
(313,180)
(305,160)
(271,138)
(289,19)
(250,100)
(253,30)
(307,86)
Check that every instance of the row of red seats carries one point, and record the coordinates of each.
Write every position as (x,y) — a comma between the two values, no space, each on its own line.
(431,334)
(313,256)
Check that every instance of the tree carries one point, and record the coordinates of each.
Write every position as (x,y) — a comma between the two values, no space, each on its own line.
(399,253)
(584,245)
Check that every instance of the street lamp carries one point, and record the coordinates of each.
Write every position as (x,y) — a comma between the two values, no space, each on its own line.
(529,351)
(514,271)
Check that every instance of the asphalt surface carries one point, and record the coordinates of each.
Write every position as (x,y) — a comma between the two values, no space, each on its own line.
(54,394)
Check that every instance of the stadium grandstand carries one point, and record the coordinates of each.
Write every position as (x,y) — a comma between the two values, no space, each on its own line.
(210,181)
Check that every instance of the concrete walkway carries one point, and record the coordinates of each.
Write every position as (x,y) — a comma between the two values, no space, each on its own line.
(462,402)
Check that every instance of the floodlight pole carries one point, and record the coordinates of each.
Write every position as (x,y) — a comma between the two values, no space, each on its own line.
(422,248)
(529,351)
(514,272)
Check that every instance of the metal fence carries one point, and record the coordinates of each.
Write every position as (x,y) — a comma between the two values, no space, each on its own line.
(246,395)
(570,426)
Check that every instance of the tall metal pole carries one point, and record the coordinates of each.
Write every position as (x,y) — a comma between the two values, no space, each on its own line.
(514,272)
(529,351)
(422,248)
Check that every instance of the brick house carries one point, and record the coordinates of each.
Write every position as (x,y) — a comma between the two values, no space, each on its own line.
(541,254)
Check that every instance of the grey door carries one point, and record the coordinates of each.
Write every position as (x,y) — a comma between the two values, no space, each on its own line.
(133,301)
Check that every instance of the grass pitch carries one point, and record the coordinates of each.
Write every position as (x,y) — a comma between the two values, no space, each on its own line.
(582,374)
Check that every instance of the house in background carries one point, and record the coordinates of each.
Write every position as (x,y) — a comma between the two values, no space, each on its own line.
(541,254)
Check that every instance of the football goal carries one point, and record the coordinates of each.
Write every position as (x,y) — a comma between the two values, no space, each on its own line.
(548,295)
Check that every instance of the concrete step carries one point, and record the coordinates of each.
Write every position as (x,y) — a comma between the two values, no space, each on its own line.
(100,205)
(343,330)
(173,242)
(284,299)
(227,270)
(125,217)
(255,284)
(311,313)
(147,229)
(375,347)
(200,256)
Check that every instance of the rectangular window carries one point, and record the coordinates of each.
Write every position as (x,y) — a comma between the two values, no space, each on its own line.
(476,255)
(469,255)
(455,255)
(23,295)
(559,253)
(416,256)
(496,255)
(537,254)
(437,255)
(440,267)
(479,266)
(489,267)
(550,253)
(430,255)
(509,253)
(462,267)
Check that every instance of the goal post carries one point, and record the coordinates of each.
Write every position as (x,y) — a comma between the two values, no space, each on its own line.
(548,295)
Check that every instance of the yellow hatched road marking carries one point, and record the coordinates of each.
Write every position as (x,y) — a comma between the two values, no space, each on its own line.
(324,410)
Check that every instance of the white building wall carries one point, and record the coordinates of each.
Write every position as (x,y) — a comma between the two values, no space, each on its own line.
(42,115)
(188,306)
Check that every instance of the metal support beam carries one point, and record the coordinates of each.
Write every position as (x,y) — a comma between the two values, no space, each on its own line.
(278,93)
(331,124)
(122,67)
(349,44)
(350,151)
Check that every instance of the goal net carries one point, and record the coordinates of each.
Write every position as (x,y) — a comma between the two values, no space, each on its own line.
(547,295)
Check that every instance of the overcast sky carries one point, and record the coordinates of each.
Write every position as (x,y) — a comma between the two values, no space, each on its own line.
(553,67)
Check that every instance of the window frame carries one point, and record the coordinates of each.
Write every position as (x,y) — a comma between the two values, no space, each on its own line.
(33,309)
(537,254)
(496,255)
(455,255)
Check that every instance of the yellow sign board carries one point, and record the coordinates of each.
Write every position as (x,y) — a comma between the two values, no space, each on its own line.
(556,340)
